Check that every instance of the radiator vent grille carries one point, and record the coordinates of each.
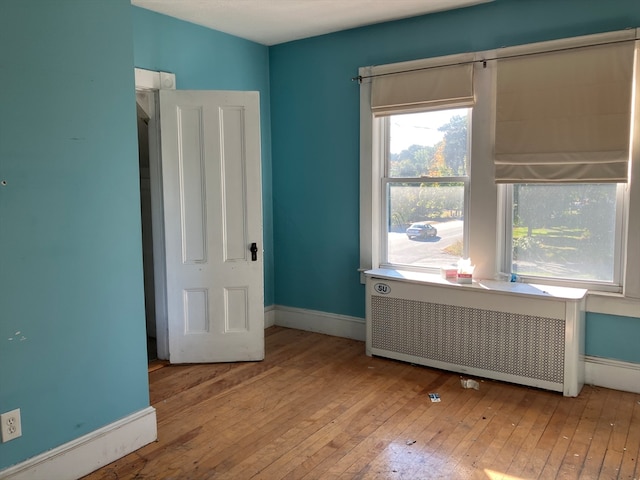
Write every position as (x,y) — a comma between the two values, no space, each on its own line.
(524,345)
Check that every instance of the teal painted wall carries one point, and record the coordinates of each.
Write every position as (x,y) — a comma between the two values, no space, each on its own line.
(613,336)
(315,124)
(72,327)
(205,59)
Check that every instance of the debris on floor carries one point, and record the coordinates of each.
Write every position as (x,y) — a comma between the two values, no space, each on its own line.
(435,397)
(469,383)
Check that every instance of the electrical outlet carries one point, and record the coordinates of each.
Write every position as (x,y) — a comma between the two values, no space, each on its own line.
(11,425)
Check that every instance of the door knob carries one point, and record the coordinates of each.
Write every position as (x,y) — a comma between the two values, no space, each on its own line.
(254,252)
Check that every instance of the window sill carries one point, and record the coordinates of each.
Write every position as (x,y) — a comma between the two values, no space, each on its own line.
(514,288)
(596,302)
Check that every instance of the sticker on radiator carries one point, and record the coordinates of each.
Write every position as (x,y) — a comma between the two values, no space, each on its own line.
(382,288)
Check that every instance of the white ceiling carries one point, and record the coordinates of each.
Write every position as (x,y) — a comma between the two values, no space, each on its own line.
(270,22)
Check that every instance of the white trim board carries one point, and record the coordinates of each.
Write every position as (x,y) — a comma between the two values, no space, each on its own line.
(601,372)
(608,373)
(151,80)
(320,322)
(86,454)
(612,304)
(269,316)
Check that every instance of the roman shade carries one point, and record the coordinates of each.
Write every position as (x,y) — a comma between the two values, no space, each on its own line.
(565,116)
(421,89)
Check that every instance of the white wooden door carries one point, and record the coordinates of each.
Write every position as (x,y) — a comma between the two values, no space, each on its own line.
(210,144)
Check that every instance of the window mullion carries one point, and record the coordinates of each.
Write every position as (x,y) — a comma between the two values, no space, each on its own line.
(622,197)
(384,220)
(505,222)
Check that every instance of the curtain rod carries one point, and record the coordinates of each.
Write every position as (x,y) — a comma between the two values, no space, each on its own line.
(484,61)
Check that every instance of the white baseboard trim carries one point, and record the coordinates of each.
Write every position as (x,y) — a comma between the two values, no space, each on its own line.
(89,452)
(320,322)
(608,373)
(269,316)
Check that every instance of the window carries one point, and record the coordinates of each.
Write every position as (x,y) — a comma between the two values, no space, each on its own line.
(424,187)
(537,185)
(563,118)
(569,232)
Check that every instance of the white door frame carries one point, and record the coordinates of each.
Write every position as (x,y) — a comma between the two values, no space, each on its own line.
(150,82)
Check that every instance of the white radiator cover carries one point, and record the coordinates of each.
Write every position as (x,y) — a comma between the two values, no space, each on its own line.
(521,333)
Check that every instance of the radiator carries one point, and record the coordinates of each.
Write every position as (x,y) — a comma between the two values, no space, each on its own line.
(520,333)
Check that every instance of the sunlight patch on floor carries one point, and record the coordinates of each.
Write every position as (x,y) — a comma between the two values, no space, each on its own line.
(493,475)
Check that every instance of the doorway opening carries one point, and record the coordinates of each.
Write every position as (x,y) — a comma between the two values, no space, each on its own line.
(148,83)
(143,117)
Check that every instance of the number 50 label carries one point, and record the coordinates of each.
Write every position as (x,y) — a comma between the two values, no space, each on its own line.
(382,288)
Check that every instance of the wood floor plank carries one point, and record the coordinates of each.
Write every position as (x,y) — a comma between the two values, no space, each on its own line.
(521,444)
(219,423)
(515,429)
(361,459)
(236,374)
(504,422)
(422,457)
(318,408)
(478,453)
(629,467)
(470,427)
(333,465)
(299,415)
(393,431)
(617,441)
(338,436)
(573,464)
(592,465)
(271,429)
(571,414)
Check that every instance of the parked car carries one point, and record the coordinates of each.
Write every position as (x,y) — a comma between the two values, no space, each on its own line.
(421,230)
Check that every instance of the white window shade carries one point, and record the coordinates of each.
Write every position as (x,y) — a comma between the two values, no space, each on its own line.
(565,116)
(403,92)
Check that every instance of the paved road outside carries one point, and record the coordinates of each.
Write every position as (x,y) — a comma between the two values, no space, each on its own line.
(429,251)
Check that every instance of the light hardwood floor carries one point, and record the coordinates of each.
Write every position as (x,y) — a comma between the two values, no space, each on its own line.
(319,408)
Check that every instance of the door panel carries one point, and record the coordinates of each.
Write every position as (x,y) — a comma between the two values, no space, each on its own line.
(213,212)
(234,184)
(236,309)
(191,168)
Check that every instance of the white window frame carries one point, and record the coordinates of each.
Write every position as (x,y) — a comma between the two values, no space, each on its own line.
(486,216)
(482,192)
(382,125)
(505,223)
